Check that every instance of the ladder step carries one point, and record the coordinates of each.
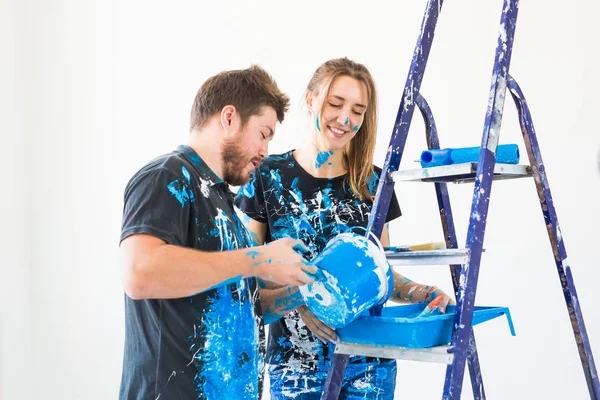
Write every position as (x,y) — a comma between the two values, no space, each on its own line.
(459,173)
(429,257)
(437,354)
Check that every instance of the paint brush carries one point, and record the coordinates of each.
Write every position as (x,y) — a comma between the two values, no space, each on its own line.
(417,247)
(431,307)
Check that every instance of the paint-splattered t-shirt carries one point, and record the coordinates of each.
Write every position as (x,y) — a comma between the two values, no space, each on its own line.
(295,204)
(207,346)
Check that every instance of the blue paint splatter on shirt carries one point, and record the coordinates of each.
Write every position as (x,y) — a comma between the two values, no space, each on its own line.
(228,347)
(181,188)
(248,190)
(372,183)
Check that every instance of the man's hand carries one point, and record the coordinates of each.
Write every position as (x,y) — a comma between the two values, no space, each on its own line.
(319,329)
(280,262)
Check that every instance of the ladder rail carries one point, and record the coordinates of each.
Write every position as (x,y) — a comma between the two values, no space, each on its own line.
(556,239)
(447,220)
(481,197)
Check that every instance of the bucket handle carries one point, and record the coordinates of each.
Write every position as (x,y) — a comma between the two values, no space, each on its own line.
(374,239)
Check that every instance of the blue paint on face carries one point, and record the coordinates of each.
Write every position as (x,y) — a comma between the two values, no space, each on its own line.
(318,126)
(356,127)
(347,121)
(181,188)
(322,158)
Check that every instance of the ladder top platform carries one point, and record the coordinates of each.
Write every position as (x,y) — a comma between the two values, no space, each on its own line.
(460,173)
(429,257)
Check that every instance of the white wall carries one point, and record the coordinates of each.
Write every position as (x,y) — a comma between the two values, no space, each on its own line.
(15,296)
(103,87)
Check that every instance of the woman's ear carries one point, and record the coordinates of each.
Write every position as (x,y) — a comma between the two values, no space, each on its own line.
(309,100)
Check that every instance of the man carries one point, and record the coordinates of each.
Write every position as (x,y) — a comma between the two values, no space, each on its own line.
(193,319)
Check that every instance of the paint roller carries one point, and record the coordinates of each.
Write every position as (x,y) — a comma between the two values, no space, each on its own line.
(505,154)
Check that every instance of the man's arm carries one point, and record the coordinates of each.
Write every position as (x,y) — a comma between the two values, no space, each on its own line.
(153,269)
(258,233)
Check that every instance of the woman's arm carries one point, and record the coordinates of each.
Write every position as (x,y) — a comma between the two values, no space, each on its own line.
(407,291)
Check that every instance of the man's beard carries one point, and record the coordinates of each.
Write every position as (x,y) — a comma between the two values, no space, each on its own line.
(234,162)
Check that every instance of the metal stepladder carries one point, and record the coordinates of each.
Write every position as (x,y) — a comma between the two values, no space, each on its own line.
(464,263)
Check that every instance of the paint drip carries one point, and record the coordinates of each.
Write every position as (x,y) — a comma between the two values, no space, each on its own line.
(353,276)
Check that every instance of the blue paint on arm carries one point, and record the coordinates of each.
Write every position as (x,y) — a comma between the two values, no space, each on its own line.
(289,301)
(253,253)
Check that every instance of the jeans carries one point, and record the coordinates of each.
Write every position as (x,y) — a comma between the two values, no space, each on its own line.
(361,381)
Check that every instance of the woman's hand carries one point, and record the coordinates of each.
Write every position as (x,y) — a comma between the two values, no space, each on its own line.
(432,292)
(323,332)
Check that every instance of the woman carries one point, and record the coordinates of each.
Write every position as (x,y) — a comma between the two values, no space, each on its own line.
(324,188)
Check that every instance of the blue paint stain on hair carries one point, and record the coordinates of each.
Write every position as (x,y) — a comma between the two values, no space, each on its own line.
(181,188)
(318,126)
(322,158)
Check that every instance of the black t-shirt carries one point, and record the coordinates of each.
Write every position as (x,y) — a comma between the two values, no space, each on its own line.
(295,204)
(207,346)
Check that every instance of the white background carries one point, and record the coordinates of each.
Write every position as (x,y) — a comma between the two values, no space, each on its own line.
(90,91)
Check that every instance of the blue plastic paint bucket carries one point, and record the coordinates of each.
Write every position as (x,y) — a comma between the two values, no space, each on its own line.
(353,276)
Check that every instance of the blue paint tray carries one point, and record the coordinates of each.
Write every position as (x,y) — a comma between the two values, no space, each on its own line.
(399,326)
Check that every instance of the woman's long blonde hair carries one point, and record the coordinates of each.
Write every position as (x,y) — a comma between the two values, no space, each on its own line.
(358,153)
